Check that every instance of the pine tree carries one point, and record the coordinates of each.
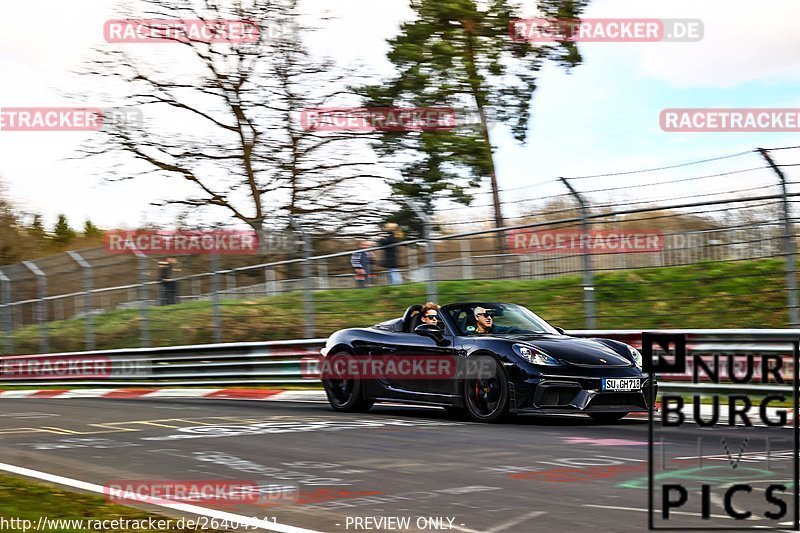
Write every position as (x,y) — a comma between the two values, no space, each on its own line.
(63,233)
(36,229)
(90,230)
(460,54)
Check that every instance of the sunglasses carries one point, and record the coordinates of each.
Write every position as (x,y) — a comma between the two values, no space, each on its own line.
(487,315)
(432,317)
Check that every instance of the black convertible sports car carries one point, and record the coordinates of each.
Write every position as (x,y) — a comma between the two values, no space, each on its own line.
(524,365)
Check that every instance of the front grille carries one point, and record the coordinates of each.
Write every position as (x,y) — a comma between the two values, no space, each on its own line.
(558,396)
(554,395)
(621,398)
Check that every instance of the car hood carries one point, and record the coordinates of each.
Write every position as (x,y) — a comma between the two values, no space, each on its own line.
(575,351)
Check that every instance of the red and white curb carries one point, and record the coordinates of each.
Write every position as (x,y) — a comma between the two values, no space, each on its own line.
(300,396)
(130,394)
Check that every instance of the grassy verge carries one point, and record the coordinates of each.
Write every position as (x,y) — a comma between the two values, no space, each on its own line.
(734,294)
(27,500)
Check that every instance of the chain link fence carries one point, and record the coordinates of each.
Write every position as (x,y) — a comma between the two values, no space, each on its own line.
(583,258)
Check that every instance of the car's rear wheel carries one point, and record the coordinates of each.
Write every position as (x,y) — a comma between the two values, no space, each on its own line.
(344,393)
(486,394)
(607,418)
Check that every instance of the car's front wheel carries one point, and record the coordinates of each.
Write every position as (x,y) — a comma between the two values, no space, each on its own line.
(486,392)
(607,418)
(344,393)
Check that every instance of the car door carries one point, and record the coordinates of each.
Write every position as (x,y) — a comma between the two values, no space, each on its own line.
(436,360)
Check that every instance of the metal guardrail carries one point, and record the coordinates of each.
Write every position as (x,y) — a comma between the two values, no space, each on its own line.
(279,362)
(241,364)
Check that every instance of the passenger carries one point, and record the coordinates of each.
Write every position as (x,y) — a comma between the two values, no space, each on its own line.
(484,323)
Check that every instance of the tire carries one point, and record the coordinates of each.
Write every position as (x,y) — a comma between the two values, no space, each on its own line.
(607,418)
(345,395)
(486,398)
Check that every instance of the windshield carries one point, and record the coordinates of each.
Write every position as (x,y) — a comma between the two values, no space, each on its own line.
(509,319)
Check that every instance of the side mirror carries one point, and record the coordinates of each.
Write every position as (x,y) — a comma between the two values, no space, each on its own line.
(560,330)
(432,332)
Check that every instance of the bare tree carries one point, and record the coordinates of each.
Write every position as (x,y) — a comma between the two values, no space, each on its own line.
(224,120)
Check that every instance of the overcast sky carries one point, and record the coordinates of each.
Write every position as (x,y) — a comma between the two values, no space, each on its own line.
(602,117)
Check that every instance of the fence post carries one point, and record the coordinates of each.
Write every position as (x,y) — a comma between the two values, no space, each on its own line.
(308,281)
(88,310)
(269,281)
(322,272)
(41,304)
(197,289)
(466,258)
(588,277)
(216,317)
(429,251)
(7,318)
(411,252)
(788,238)
(144,298)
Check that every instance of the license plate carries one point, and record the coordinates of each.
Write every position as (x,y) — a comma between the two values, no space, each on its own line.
(622,384)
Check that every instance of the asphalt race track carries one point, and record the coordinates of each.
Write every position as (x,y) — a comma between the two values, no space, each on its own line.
(345,472)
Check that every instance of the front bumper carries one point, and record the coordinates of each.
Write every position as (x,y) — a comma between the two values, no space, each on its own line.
(577,394)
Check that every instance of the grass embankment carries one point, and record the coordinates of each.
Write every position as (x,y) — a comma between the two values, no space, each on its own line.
(734,294)
(26,500)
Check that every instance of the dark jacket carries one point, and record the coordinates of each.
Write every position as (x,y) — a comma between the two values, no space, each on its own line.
(361,259)
(389,254)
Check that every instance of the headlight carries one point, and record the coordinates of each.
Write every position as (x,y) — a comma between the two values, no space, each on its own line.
(532,355)
(637,357)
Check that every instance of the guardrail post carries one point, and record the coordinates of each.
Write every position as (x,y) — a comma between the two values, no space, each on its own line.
(588,277)
(88,309)
(144,297)
(308,285)
(41,304)
(429,251)
(788,239)
(7,318)
(216,317)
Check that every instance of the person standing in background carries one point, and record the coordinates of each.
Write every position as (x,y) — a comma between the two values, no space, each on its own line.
(361,261)
(392,234)
(169,286)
